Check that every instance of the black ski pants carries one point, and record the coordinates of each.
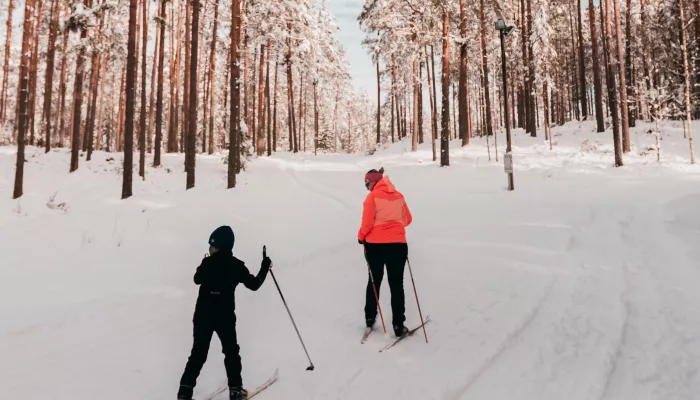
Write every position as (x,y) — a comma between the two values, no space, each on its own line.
(224,325)
(393,255)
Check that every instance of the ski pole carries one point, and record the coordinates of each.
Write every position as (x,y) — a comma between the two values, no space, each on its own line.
(417,302)
(376,294)
(310,367)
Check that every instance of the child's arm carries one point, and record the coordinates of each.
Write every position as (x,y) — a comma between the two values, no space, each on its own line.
(202,272)
(254,282)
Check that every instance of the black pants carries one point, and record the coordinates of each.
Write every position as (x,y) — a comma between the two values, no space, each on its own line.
(204,328)
(393,255)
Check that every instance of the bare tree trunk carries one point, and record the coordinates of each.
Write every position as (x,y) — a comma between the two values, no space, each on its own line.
(234,124)
(212,70)
(33,69)
(463,105)
(274,116)
(48,80)
(612,89)
(130,101)
(297,143)
(92,109)
(315,117)
(98,141)
(151,101)
(597,86)
(379,104)
(686,71)
(142,120)
(445,137)
(8,39)
(531,74)
(623,81)
(191,134)
(78,102)
(484,65)
(187,87)
(267,98)
(23,99)
(582,64)
(260,135)
(414,133)
(628,64)
(61,115)
(290,95)
(420,102)
(159,94)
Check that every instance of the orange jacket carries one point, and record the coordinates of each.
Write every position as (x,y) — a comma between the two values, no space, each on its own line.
(385,215)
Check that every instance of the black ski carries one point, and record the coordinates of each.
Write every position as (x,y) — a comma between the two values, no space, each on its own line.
(407,334)
(224,388)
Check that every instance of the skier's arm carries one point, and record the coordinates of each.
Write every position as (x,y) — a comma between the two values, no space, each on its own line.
(201,273)
(368,210)
(254,282)
(406,215)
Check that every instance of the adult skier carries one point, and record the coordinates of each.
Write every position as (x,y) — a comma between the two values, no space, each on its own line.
(217,277)
(385,216)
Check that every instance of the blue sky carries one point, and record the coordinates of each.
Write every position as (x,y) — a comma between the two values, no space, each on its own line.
(350,36)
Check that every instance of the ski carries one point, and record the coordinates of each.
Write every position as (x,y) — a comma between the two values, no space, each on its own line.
(366,335)
(224,388)
(407,334)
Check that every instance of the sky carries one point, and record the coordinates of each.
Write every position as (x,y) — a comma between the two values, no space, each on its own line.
(350,36)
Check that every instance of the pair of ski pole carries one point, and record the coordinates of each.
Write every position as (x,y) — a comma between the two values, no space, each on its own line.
(376,294)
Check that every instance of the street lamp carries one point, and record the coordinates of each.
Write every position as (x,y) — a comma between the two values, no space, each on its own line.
(504,30)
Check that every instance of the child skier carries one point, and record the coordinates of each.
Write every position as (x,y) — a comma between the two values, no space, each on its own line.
(385,216)
(218,276)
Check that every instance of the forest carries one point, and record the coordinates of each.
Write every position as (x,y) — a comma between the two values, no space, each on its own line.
(251,78)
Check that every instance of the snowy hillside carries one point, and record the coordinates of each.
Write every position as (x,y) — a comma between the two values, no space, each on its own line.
(580,284)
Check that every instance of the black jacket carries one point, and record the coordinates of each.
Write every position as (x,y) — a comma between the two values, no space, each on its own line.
(218,277)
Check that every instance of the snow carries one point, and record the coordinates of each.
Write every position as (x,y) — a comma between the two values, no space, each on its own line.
(580,284)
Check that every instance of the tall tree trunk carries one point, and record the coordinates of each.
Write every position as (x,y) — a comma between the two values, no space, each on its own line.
(78,101)
(315,117)
(697,58)
(686,72)
(130,102)
(159,93)
(612,88)
(48,80)
(92,98)
(142,121)
(260,136)
(33,68)
(623,81)
(379,104)
(151,101)
(463,105)
(212,70)
(485,67)
(525,118)
(253,79)
(414,131)
(8,39)
(531,73)
(445,136)
(582,64)
(274,116)
(187,87)
(628,64)
(23,98)
(61,115)
(267,98)
(191,134)
(420,102)
(290,95)
(98,141)
(597,86)
(234,124)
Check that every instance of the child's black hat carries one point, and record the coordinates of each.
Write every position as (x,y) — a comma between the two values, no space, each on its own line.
(222,238)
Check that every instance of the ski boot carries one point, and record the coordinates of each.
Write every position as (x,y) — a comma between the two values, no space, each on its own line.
(237,393)
(400,330)
(185,393)
(370,321)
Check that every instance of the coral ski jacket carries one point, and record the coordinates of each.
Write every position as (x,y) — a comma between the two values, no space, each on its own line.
(385,215)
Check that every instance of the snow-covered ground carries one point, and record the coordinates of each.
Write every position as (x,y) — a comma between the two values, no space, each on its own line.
(580,284)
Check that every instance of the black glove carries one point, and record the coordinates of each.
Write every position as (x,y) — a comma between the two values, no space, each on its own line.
(266,262)
(362,242)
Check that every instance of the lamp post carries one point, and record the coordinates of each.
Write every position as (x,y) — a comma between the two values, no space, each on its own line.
(504,30)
